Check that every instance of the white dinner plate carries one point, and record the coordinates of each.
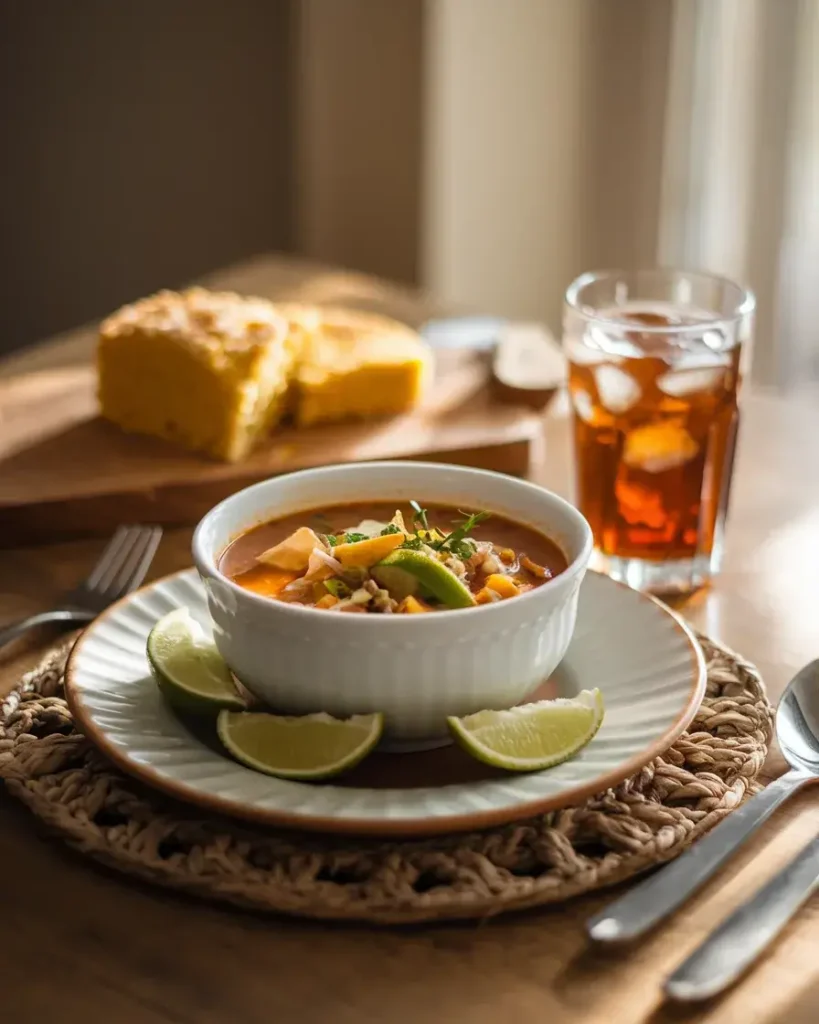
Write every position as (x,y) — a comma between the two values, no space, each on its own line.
(642,656)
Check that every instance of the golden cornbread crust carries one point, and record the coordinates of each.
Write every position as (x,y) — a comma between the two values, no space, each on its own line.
(227,329)
(214,371)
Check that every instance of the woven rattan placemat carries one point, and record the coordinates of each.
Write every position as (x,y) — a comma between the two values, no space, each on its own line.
(650,818)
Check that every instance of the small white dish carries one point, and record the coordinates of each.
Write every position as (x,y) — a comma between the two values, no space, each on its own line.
(416,669)
(644,659)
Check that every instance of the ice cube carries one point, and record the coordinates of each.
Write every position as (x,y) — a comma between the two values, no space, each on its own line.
(618,390)
(583,405)
(615,342)
(693,371)
(681,383)
(579,350)
(658,447)
(701,359)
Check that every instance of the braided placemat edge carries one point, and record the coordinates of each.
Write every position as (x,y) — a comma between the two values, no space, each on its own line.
(648,819)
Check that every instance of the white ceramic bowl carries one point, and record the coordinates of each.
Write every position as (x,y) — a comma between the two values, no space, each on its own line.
(417,669)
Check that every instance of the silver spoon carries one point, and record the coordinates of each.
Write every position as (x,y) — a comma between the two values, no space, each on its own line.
(797,730)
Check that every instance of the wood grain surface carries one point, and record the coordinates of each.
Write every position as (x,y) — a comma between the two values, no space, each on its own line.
(81,944)
(68,473)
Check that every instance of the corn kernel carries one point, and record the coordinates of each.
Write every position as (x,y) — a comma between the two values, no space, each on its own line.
(502,585)
(413,606)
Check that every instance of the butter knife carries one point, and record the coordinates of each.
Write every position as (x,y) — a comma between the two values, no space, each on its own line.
(732,948)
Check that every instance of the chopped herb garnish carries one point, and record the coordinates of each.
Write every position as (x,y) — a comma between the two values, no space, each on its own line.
(455,541)
(354,538)
(419,515)
(390,528)
(427,538)
(337,588)
(465,548)
(329,539)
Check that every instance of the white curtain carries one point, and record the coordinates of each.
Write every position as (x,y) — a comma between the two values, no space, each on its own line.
(740,188)
(563,135)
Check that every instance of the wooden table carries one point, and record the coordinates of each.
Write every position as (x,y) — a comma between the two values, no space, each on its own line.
(82,945)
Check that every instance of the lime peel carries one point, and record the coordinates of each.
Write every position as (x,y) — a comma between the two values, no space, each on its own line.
(306,748)
(531,737)
(187,666)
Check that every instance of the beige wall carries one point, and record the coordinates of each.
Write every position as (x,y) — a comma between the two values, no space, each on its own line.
(506,93)
(358,99)
(144,142)
(543,146)
(799,263)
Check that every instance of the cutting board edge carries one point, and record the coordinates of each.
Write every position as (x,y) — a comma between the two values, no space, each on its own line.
(179,505)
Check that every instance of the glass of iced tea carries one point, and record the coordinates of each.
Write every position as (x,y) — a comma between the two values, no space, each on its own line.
(655,362)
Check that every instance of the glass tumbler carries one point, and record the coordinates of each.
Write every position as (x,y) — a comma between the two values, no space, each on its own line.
(655,363)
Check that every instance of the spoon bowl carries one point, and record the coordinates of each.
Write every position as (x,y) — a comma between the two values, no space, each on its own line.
(797,721)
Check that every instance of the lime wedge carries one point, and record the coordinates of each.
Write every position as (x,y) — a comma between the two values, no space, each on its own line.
(309,747)
(432,575)
(531,737)
(187,666)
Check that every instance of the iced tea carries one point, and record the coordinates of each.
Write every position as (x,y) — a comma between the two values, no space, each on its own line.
(654,391)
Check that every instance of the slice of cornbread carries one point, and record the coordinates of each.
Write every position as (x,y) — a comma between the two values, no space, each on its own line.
(210,370)
(358,365)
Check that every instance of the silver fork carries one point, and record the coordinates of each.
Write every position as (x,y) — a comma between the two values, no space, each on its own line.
(121,569)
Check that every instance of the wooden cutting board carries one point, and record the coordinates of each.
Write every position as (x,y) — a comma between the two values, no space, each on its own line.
(64,472)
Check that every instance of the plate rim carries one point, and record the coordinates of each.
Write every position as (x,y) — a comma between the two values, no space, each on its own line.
(393,827)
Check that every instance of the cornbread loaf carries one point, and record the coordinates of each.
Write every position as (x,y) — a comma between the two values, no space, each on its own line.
(210,370)
(215,371)
(357,365)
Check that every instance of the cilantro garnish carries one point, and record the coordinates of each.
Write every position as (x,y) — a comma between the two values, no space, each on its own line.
(457,541)
(464,549)
(419,515)
(354,538)
(390,528)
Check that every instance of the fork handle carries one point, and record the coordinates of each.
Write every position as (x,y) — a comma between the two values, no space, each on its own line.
(730,950)
(653,899)
(62,615)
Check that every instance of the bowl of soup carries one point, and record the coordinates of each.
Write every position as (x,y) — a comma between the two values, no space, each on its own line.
(418,590)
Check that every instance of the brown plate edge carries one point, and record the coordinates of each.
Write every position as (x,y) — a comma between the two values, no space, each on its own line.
(406,828)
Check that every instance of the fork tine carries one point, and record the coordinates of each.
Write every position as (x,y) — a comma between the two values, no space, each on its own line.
(110,556)
(138,561)
(119,558)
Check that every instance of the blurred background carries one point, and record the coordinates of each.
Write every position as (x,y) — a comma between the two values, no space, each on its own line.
(486,151)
